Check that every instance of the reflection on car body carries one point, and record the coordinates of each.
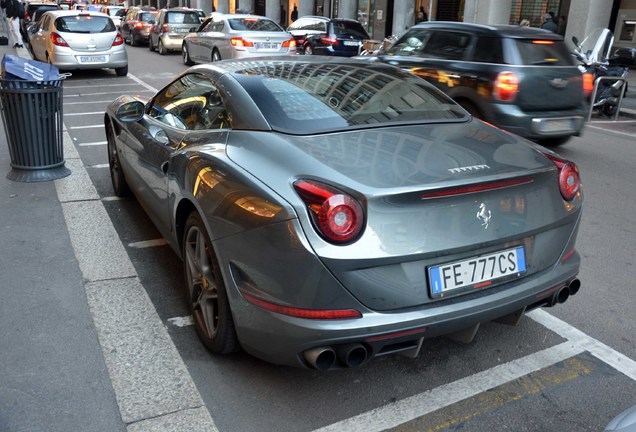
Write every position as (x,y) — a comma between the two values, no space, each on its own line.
(328,211)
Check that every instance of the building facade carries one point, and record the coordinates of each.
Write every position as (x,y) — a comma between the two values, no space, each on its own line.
(382,18)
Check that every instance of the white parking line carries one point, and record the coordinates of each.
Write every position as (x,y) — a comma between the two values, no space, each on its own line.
(83,113)
(86,127)
(97,143)
(99,102)
(631,135)
(400,412)
(98,166)
(148,243)
(181,321)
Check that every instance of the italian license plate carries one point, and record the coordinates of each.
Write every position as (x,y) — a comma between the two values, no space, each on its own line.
(476,272)
(556,125)
(266,45)
(352,43)
(92,59)
(183,30)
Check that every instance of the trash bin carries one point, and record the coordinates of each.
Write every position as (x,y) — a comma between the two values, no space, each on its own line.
(32,116)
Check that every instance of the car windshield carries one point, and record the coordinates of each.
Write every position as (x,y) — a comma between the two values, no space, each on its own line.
(84,23)
(312,98)
(346,28)
(253,24)
(182,18)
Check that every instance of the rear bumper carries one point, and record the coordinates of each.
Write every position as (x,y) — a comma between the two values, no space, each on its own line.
(71,61)
(539,124)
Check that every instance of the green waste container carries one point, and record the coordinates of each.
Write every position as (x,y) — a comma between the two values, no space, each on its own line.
(32,116)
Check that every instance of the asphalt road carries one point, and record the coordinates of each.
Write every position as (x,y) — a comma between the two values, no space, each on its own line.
(569,368)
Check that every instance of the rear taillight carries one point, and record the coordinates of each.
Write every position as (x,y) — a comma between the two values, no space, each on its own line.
(569,181)
(119,40)
(326,40)
(240,42)
(289,43)
(164,28)
(588,83)
(140,24)
(506,86)
(328,314)
(337,216)
(58,40)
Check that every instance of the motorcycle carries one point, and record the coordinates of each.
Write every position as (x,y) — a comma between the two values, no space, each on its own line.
(594,58)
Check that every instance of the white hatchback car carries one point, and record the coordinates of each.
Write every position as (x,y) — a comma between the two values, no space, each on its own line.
(73,39)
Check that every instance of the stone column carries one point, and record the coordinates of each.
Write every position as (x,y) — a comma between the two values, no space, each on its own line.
(348,9)
(403,16)
(487,11)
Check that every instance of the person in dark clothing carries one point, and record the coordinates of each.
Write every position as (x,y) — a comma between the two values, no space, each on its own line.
(421,15)
(548,23)
(294,14)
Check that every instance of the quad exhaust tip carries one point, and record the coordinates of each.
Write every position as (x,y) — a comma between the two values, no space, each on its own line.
(348,355)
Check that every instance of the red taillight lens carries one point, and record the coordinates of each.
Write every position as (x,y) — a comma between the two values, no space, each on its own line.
(58,40)
(506,86)
(164,28)
(569,180)
(338,217)
(326,40)
(119,40)
(588,83)
(240,42)
(303,313)
(140,24)
(289,44)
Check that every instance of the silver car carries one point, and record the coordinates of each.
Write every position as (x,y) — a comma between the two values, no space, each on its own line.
(73,39)
(170,27)
(233,36)
(330,210)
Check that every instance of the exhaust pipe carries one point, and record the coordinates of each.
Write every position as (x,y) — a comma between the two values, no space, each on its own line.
(574,286)
(352,355)
(563,295)
(321,358)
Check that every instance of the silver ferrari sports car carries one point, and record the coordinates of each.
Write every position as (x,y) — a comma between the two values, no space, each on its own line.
(328,210)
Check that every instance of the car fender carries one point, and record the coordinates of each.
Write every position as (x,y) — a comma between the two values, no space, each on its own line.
(460,94)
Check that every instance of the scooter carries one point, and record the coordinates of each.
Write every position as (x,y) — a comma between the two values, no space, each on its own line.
(593,56)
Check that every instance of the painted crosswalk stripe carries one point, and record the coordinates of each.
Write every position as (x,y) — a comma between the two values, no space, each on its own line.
(148,243)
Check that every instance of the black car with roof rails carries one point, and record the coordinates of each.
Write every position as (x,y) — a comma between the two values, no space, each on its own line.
(521,79)
(29,14)
(328,36)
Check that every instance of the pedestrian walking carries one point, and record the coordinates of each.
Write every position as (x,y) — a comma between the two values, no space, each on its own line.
(294,14)
(15,12)
(548,23)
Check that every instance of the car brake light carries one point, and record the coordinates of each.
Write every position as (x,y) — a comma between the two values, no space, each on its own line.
(302,313)
(119,40)
(543,42)
(506,86)
(140,24)
(337,216)
(240,42)
(327,40)
(58,40)
(588,83)
(569,180)
(289,43)
(164,28)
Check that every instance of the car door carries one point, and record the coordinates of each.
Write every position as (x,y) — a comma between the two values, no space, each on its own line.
(40,38)
(196,42)
(190,103)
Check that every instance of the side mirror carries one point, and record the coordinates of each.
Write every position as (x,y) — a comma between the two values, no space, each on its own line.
(130,111)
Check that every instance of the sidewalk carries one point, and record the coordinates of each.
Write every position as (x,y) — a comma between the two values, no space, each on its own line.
(52,371)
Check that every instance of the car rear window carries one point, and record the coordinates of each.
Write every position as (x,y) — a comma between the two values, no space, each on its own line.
(84,23)
(182,18)
(345,28)
(147,17)
(542,52)
(305,99)
(253,24)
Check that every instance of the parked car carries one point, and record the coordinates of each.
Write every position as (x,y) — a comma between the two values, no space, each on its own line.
(135,27)
(331,210)
(325,36)
(74,39)
(29,13)
(236,36)
(117,13)
(518,78)
(170,27)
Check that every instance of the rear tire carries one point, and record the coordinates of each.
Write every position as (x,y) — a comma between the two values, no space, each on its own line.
(150,45)
(206,292)
(122,71)
(161,48)
(216,56)
(133,41)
